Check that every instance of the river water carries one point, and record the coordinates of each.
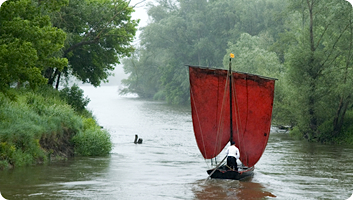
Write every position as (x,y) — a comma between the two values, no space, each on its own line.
(168,164)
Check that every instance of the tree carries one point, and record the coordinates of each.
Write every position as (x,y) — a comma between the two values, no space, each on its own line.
(99,35)
(197,33)
(28,42)
(315,62)
(142,82)
(252,56)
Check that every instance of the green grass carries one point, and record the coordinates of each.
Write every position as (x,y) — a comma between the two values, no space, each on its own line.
(35,126)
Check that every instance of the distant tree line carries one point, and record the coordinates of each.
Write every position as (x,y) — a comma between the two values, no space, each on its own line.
(306,44)
(43,41)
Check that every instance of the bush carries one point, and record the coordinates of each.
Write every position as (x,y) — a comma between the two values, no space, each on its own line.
(20,131)
(326,132)
(74,97)
(159,96)
(347,128)
(36,126)
(92,142)
(296,133)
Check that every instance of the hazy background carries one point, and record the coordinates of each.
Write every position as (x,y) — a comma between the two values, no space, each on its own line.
(140,13)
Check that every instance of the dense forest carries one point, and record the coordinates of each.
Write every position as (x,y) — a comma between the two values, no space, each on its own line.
(43,43)
(306,44)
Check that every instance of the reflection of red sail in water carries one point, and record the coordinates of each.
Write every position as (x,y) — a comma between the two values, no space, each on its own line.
(252,100)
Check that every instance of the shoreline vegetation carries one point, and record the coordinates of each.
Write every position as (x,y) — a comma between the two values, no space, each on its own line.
(45,125)
(306,45)
(43,44)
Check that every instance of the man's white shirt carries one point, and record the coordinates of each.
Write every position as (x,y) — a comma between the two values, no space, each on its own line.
(233,151)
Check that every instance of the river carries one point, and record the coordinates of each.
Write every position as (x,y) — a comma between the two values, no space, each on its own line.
(168,164)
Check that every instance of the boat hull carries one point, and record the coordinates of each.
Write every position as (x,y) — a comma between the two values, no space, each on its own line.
(224,173)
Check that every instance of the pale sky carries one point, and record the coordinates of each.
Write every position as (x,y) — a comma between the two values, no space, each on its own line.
(140,13)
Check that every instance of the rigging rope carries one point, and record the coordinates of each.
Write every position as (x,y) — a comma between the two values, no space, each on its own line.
(192,95)
(247,111)
(237,117)
(198,119)
(238,120)
(220,123)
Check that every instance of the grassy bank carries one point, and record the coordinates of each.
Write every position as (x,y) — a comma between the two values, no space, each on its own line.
(36,127)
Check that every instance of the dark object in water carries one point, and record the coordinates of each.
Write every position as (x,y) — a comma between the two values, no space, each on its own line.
(137,140)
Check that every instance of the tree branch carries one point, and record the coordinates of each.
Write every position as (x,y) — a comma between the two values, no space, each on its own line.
(96,38)
(78,45)
(334,45)
(322,35)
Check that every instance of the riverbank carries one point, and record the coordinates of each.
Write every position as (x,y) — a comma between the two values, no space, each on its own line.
(36,127)
(168,165)
(326,135)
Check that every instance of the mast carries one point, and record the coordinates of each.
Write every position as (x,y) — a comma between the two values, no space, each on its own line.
(230,98)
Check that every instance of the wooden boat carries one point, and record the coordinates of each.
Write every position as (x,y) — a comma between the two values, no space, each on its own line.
(231,106)
(224,172)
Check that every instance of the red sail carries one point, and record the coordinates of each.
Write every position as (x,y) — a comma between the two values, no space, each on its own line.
(252,110)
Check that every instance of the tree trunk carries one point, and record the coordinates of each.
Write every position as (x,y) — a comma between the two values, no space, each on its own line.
(339,118)
(311,27)
(344,102)
(313,74)
(49,74)
(58,81)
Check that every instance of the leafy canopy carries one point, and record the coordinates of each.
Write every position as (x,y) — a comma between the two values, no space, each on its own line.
(28,43)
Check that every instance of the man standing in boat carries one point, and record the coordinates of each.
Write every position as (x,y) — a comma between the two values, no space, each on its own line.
(232,156)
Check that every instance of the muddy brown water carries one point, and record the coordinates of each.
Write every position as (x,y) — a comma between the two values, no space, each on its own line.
(168,164)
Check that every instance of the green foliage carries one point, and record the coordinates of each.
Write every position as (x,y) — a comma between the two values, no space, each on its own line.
(347,129)
(252,56)
(51,5)
(28,44)
(41,124)
(196,33)
(307,45)
(296,133)
(99,35)
(74,97)
(40,39)
(141,81)
(23,124)
(325,129)
(319,67)
(92,141)
(159,96)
